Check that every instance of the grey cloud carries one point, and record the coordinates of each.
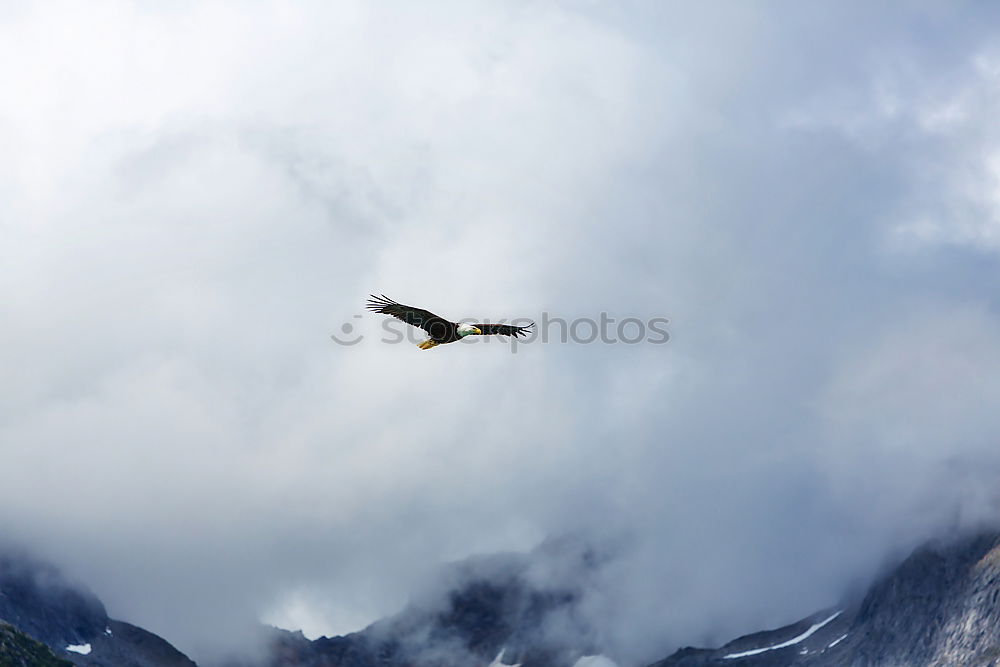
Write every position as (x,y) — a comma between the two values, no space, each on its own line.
(196,197)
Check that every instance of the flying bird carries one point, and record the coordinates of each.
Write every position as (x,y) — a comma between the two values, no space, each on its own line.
(440,330)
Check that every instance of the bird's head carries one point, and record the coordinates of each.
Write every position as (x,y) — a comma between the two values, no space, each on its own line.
(468,330)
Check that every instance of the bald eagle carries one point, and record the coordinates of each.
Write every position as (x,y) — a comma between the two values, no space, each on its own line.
(441,331)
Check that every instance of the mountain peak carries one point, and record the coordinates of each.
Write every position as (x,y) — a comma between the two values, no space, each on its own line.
(936,608)
(39,604)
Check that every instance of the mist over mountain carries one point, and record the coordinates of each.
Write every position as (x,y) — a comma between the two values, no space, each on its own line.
(46,619)
(511,608)
(938,608)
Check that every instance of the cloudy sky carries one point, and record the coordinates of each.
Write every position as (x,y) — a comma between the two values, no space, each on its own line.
(195,196)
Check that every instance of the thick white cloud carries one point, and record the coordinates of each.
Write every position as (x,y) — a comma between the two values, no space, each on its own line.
(193,197)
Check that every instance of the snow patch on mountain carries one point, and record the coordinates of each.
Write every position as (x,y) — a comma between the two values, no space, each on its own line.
(791,642)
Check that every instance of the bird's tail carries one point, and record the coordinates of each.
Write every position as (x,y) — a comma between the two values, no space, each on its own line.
(428,344)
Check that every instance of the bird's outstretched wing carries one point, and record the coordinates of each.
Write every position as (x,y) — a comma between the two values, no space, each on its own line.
(417,317)
(503,329)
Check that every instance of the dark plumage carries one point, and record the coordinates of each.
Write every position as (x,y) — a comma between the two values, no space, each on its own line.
(439,329)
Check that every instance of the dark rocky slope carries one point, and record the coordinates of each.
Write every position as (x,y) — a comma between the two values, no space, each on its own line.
(40,603)
(19,650)
(939,608)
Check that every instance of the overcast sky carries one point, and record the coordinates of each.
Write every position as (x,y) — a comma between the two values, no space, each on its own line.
(194,196)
